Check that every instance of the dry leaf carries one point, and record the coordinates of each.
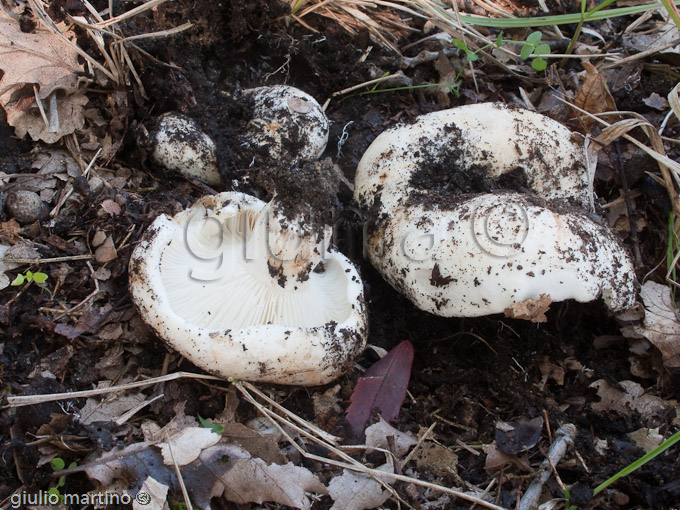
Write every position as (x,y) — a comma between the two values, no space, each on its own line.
(530,309)
(356,491)
(631,398)
(253,481)
(656,101)
(106,252)
(222,470)
(661,325)
(96,409)
(383,386)
(9,231)
(645,438)
(184,447)
(264,447)
(437,458)
(327,404)
(4,266)
(40,57)
(23,114)
(656,40)
(549,370)
(518,436)
(496,459)
(593,96)
(48,61)
(111,207)
(157,495)
(377,437)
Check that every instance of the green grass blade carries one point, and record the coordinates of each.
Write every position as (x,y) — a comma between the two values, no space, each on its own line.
(640,462)
(604,4)
(672,11)
(559,19)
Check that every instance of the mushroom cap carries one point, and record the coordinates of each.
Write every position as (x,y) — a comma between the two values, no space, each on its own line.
(475,147)
(486,252)
(287,123)
(209,295)
(180,146)
(438,235)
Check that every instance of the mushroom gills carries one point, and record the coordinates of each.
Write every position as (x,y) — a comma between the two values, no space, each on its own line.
(226,285)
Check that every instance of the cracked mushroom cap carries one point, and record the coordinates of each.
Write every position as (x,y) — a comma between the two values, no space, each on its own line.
(203,281)
(438,235)
(286,124)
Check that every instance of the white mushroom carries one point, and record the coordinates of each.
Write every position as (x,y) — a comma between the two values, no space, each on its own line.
(286,123)
(180,146)
(229,284)
(438,235)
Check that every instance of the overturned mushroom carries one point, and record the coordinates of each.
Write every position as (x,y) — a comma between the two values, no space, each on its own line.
(477,208)
(286,123)
(250,290)
(180,146)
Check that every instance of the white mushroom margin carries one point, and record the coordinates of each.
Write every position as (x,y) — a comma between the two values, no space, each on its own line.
(209,294)
(474,253)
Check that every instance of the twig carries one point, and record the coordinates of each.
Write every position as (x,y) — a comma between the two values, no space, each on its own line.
(417,446)
(399,74)
(321,433)
(66,195)
(27,400)
(354,465)
(46,261)
(564,438)
(180,480)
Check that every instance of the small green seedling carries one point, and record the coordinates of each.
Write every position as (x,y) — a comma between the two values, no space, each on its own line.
(567,500)
(534,46)
(215,427)
(58,464)
(29,277)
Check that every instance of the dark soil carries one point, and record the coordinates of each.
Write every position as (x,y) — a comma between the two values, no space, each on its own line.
(467,375)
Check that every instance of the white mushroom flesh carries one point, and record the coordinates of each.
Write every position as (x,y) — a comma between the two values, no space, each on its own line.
(207,291)
(454,249)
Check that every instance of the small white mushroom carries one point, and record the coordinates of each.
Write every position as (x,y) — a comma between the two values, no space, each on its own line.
(438,235)
(180,146)
(287,124)
(244,292)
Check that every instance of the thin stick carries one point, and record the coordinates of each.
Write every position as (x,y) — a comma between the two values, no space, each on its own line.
(417,446)
(132,12)
(185,493)
(48,260)
(321,433)
(27,400)
(564,438)
(364,84)
(41,108)
(354,465)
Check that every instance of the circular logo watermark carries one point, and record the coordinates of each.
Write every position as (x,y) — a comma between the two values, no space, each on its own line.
(143,498)
(501,226)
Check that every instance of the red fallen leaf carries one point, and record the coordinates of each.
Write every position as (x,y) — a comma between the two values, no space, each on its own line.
(383,386)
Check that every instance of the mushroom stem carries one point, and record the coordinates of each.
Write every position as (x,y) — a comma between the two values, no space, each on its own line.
(293,247)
